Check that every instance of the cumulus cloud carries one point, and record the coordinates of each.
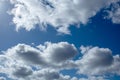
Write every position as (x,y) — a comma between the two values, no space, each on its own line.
(2,78)
(54,53)
(98,57)
(58,13)
(59,52)
(97,61)
(45,62)
(22,71)
(19,62)
(93,78)
(114,13)
(46,74)
(25,53)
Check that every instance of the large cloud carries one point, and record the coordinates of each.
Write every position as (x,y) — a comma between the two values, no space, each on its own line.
(45,62)
(58,13)
(98,61)
(53,53)
(25,62)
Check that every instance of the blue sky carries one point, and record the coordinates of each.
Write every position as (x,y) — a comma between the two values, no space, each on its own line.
(60,40)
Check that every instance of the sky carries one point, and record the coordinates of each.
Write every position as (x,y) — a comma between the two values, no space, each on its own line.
(59,39)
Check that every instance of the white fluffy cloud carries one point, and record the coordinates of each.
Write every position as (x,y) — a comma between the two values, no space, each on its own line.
(98,61)
(18,62)
(2,78)
(53,53)
(58,13)
(44,62)
(114,13)
(58,52)
(26,54)
(94,59)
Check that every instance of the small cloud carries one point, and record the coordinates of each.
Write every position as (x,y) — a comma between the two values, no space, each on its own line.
(114,13)
(2,78)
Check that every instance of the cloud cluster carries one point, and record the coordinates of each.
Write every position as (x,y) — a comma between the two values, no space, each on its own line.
(44,62)
(54,53)
(114,13)
(58,13)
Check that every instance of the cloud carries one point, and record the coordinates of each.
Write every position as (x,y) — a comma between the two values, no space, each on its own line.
(114,13)
(46,74)
(60,14)
(25,53)
(54,53)
(93,78)
(22,71)
(114,68)
(2,78)
(25,62)
(45,62)
(59,52)
(97,61)
(97,57)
